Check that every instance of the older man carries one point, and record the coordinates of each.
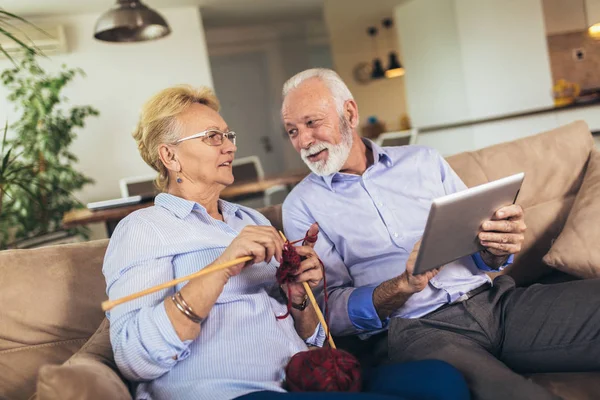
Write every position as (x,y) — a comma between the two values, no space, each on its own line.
(371,204)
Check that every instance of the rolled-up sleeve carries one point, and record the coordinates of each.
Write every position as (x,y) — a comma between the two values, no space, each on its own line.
(296,221)
(144,341)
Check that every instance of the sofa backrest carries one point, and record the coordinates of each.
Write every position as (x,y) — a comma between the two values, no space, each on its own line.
(50,301)
(554,163)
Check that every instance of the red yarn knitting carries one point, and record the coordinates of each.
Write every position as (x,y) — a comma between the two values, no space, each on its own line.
(286,273)
(319,370)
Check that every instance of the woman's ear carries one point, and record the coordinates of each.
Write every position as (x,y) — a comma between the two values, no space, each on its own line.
(168,158)
(351,112)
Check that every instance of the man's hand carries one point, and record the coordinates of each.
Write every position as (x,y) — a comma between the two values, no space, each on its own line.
(393,293)
(503,235)
(416,283)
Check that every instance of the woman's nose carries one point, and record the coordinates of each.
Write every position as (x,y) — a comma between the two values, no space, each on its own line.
(228,146)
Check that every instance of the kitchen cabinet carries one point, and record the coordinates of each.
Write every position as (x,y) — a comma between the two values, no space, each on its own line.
(563,16)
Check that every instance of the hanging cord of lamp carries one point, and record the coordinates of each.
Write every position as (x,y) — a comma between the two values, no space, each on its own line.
(377,71)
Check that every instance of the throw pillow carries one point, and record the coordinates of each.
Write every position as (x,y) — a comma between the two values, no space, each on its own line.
(577,249)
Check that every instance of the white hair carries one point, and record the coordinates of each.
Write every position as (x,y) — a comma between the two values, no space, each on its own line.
(330,78)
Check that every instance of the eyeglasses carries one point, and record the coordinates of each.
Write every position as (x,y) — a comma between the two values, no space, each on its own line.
(212,137)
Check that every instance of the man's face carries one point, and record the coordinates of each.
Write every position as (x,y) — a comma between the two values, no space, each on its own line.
(316,130)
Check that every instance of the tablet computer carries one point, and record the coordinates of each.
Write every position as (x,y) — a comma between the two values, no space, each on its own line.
(455,220)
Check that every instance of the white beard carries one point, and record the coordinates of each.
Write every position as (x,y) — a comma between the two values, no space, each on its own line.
(338,154)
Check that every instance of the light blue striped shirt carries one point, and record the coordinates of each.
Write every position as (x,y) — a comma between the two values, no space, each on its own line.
(242,347)
(368,227)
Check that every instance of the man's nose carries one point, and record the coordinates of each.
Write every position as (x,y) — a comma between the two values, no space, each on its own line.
(305,138)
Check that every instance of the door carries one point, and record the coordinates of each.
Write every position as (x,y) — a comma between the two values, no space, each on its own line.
(242,86)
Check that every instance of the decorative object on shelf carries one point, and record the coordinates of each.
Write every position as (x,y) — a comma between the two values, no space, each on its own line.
(405,122)
(395,69)
(591,11)
(130,21)
(565,92)
(377,72)
(42,137)
(373,128)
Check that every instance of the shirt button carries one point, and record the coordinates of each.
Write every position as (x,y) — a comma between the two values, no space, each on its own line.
(379,204)
(395,234)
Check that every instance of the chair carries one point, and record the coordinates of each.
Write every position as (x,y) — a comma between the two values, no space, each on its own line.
(401,138)
(249,169)
(138,185)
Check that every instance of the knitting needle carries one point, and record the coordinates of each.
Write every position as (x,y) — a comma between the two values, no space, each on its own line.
(313,301)
(109,304)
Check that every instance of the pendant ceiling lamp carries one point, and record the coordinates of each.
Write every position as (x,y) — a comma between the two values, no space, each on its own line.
(395,68)
(377,71)
(130,21)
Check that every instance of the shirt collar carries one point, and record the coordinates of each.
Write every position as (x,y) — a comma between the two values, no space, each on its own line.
(181,207)
(379,156)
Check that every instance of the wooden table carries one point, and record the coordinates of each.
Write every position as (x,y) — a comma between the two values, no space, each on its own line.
(112,216)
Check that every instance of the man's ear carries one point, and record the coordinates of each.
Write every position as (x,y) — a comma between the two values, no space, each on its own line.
(168,158)
(351,112)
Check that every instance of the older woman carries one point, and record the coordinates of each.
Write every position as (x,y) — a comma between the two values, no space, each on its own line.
(215,336)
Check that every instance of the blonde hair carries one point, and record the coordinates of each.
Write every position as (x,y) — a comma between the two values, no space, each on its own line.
(158,123)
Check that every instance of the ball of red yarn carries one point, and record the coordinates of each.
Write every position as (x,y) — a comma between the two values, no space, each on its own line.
(323,370)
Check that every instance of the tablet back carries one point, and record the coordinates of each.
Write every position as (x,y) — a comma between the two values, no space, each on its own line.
(455,221)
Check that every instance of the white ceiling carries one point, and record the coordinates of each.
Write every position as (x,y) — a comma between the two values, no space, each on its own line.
(215,12)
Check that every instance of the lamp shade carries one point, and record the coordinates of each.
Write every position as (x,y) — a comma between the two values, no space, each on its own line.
(130,21)
(395,69)
(377,72)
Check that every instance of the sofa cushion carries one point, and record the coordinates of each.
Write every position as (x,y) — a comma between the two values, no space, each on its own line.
(577,250)
(570,385)
(88,379)
(91,373)
(554,164)
(54,295)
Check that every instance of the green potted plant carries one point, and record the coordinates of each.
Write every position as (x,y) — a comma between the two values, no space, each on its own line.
(42,137)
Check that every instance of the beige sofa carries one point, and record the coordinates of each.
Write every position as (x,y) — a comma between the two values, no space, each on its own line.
(50,297)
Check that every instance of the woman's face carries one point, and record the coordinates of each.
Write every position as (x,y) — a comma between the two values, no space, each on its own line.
(199,161)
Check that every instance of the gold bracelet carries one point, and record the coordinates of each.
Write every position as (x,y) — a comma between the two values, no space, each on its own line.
(182,306)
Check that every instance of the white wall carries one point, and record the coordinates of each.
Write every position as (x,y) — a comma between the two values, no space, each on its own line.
(505,56)
(120,77)
(347,22)
(471,59)
(435,81)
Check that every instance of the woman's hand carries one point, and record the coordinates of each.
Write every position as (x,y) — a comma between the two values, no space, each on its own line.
(261,242)
(310,270)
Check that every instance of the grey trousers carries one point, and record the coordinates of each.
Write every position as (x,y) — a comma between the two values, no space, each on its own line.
(501,332)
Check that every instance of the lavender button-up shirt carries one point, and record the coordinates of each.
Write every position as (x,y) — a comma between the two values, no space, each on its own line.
(368,227)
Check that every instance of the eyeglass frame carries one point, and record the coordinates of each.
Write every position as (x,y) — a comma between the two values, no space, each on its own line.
(231,136)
